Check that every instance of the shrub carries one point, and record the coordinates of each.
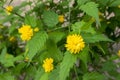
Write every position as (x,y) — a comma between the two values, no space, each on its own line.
(59,40)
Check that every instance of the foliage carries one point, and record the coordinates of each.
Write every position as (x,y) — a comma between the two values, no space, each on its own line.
(96,21)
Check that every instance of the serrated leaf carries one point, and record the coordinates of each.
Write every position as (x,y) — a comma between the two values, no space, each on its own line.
(82,26)
(12,28)
(53,51)
(90,38)
(37,42)
(6,59)
(109,66)
(114,3)
(30,71)
(54,74)
(65,66)
(6,76)
(30,20)
(56,36)
(93,76)
(39,73)
(18,68)
(44,77)
(81,2)
(50,18)
(91,9)
(103,2)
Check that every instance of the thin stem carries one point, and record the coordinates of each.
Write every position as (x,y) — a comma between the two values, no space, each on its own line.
(15,13)
(18,15)
(77,78)
(56,29)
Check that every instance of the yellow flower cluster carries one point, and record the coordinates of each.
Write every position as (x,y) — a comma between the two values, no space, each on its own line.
(26,32)
(61,18)
(118,53)
(48,64)
(75,43)
(9,9)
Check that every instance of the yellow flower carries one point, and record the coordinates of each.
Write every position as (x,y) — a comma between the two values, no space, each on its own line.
(9,9)
(75,43)
(118,6)
(48,64)
(12,39)
(26,32)
(1,26)
(26,59)
(61,18)
(36,29)
(118,53)
(108,22)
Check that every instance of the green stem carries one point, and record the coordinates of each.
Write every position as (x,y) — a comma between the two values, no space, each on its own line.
(56,29)
(18,15)
(77,78)
(15,13)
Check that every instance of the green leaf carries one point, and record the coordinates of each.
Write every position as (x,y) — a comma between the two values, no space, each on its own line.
(18,68)
(103,2)
(93,76)
(4,51)
(109,66)
(12,29)
(81,2)
(39,73)
(54,74)
(65,66)
(9,60)
(56,36)
(44,77)
(37,42)
(6,59)
(30,20)
(84,57)
(50,18)
(90,38)
(82,26)
(6,76)
(30,71)
(114,3)
(91,9)
(53,51)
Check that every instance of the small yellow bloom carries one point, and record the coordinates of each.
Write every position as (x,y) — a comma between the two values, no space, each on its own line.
(61,18)
(12,39)
(26,59)
(118,6)
(108,22)
(9,9)
(48,64)
(75,43)
(36,29)
(26,32)
(1,26)
(118,53)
